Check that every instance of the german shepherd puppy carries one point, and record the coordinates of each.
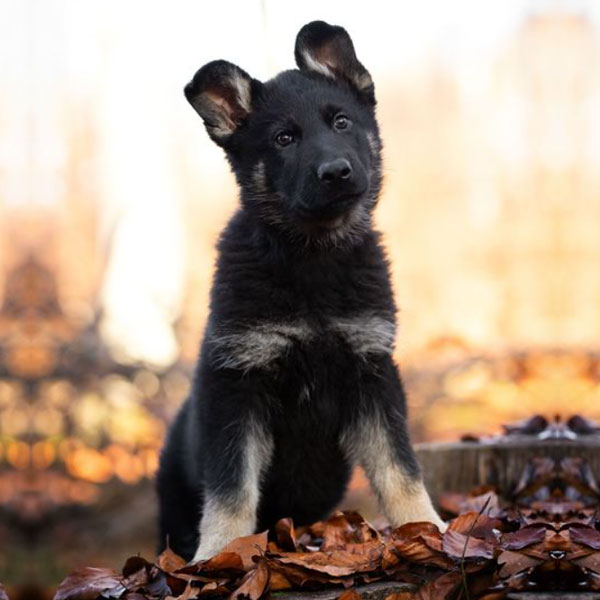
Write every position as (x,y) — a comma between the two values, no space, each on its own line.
(296,382)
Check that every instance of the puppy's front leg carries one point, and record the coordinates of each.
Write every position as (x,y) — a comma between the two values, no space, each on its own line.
(378,441)
(238,456)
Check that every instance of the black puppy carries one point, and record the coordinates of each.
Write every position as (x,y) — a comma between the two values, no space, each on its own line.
(296,381)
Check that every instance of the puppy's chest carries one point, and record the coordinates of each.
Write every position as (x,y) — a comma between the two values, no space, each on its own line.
(330,342)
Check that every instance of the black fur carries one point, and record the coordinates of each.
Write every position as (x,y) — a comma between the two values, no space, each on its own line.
(300,249)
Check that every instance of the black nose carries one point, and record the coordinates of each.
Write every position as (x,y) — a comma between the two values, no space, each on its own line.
(334,170)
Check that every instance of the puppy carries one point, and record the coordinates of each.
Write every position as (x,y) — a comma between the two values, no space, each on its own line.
(295,382)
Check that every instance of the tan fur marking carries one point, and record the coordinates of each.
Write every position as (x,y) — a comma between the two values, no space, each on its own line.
(258,345)
(362,82)
(321,62)
(259,178)
(367,334)
(314,64)
(403,499)
(224,126)
(223,521)
(242,90)
(373,144)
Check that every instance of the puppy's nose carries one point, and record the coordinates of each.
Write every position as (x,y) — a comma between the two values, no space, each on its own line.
(334,170)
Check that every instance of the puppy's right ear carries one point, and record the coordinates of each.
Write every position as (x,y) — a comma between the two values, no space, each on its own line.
(221,93)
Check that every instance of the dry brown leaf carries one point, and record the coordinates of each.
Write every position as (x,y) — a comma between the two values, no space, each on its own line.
(440,588)
(169,561)
(460,545)
(591,561)
(345,529)
(337,563)
(350,594)
(286,535)
(514,562)
(585,535)
(248,547)
(476,525)
(300,577)
(279,582)
(526,536)
(254,584)
(229,563)
(557,541)
(88,583)
(420,543)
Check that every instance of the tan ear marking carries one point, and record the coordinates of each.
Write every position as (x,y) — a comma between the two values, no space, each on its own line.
(328,50)
(221,93)
(315,65)
(242,89)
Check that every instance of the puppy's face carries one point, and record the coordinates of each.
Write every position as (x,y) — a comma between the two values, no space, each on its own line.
(304,146)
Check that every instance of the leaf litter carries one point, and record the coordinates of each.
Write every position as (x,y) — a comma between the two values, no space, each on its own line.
(546,538)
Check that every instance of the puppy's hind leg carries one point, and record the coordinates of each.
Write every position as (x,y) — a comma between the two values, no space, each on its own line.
(178,508)
(179,505)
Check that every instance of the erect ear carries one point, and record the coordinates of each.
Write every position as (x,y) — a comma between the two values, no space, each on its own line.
(328,49)
(221,93)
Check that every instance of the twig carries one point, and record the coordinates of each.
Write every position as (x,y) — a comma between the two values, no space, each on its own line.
(462,558)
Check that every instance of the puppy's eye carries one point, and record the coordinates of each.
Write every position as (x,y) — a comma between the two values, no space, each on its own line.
(341,122)
(284,138)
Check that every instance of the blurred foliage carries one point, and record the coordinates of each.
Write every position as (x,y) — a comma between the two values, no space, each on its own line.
(454,389)
(77,430)
(71,417)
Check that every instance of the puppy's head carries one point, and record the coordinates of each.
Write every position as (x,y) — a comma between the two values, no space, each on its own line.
(304,146)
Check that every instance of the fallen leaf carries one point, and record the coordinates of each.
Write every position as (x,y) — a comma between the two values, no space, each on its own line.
(532,426)
(350,594)
(460,545)
(254,584)
(336,563)
(279,582)
(347,528)
(420,543)
(134,564)
(440,588)
(169,561)
(247,547)
(526,536)
(476,525)
(585,535)
(514,562)
(88,583)
(286,535)
(224,563)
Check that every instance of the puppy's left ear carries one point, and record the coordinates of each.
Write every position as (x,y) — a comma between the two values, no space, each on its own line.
(328,49)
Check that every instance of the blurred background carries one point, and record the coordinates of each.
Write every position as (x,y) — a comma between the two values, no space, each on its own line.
(112,196)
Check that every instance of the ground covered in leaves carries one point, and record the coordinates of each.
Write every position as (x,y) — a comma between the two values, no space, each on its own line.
(546,538)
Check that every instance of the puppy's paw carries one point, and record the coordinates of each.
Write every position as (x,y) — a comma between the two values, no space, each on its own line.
(205,552)
(441,525)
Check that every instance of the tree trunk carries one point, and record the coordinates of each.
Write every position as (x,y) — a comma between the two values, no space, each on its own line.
(462,466)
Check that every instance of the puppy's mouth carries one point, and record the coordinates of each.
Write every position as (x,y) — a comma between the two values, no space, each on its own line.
(334,214)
